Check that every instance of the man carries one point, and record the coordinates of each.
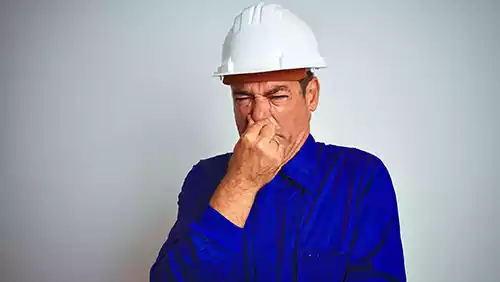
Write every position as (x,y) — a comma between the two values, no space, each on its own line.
(281,207)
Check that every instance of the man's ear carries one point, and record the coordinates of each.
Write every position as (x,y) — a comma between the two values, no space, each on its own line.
(312,94)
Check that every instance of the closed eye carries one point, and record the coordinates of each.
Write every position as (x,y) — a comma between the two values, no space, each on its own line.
(279,97)
(242,98)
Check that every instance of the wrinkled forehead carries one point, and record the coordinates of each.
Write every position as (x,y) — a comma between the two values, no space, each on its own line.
(281,75)
(265,81)
(264,86)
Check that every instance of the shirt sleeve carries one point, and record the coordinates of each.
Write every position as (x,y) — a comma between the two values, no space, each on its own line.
(376,249)
(202,245)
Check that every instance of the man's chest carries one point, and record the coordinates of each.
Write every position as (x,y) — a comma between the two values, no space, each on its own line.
(292,232)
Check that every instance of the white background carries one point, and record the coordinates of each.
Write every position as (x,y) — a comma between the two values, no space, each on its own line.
(106,105)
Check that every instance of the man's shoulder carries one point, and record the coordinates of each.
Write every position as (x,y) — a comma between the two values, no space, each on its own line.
(350,157)
(205,175)
(218,162)
(212,168)
(361,166)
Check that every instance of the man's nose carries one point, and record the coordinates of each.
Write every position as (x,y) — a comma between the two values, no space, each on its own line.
(261,109)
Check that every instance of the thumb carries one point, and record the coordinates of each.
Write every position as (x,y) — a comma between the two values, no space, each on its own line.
(250,120)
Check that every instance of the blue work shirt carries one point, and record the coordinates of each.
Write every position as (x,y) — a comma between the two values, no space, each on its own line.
(330,214)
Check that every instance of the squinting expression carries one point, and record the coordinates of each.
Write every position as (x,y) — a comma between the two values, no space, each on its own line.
(280,101)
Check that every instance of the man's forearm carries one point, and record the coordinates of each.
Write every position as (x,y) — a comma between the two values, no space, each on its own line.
(234,199)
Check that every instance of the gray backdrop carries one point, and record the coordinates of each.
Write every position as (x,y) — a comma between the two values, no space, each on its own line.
(106,105)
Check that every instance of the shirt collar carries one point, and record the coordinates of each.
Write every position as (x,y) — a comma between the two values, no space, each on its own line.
(302,168)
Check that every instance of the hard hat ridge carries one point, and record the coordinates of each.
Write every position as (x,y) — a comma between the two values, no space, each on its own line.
(265,38)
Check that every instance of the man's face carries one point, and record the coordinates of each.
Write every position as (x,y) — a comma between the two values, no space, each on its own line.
(280,101)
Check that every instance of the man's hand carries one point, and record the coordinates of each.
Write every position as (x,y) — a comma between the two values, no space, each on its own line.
(257,158)
(258,155)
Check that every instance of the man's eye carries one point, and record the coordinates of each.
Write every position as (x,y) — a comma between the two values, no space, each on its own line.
(240,99)
(279,97)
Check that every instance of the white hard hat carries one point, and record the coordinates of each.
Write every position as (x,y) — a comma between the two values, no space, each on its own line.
(267,37)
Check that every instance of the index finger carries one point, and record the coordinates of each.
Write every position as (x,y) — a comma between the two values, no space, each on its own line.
(254,130)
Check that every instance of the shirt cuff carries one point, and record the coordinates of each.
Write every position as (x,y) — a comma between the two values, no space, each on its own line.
(217,228)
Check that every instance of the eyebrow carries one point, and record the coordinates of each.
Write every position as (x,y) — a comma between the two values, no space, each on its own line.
(274,90)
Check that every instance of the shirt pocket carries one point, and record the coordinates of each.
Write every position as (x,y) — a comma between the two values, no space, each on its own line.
(321,265)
